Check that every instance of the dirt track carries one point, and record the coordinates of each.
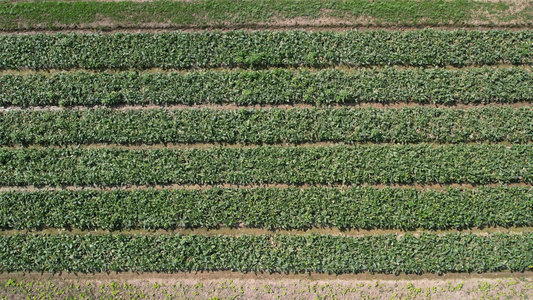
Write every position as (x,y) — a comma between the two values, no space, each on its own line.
(263,107)
(161,28)
(265,286)
(437,187)
(258,231)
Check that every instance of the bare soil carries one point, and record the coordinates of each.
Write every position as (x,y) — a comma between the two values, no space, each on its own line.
(164,27)
(437,187)
(344,68)
(231,106)
(228,145)
(259,231)
(230,285)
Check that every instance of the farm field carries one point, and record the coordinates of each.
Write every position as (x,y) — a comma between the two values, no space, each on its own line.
(266,149)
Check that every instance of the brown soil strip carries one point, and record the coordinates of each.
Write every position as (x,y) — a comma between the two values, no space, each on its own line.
(232,285)
(259,231)
(344,26)
(21,1)
(436,187)
(173,146)
(228,275)
(230,106)
(343,68)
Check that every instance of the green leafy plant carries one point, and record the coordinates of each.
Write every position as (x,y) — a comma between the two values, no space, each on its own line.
(270,126)
(427,253)
(270,208)
(374,164)
(260,49)
(277,86)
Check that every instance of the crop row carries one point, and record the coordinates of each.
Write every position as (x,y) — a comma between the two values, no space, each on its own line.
(278,86)
(293,165)
(181,50)
(428,253)
(270,208)
(271,126)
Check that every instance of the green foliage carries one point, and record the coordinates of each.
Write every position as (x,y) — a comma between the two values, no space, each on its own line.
(429,253)
(270,208)
(407,125)
(182,50)
(373,164)
(278,86)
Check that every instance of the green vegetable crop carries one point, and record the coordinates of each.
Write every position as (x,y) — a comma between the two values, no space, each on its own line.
(270,208)
(422,163)
(408,125)
(277,86)
(265,253)
(180,50)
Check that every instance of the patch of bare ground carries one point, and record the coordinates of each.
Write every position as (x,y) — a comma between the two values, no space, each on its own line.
(322,21)
(232,285)
(508,17)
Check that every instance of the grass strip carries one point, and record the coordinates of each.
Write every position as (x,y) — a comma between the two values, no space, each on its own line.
(278,86)
(271,126)
(54,15)
(427,253)
(375,164)
(270,208)
(261,49)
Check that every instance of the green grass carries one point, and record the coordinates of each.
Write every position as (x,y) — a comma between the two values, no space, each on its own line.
(227,13)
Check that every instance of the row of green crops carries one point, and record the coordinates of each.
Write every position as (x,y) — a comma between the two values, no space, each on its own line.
(417,163)
(429,253)
(278,86)
(270,208)
(407,125)
(265,49)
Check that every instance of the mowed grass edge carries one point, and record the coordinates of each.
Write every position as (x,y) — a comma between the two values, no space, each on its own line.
(56,15)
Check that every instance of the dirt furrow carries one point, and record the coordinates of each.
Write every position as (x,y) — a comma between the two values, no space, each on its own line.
(285,26)
(229,275)
(177,146)
(259,231)
(437,187)
(230,106)
(347,69)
